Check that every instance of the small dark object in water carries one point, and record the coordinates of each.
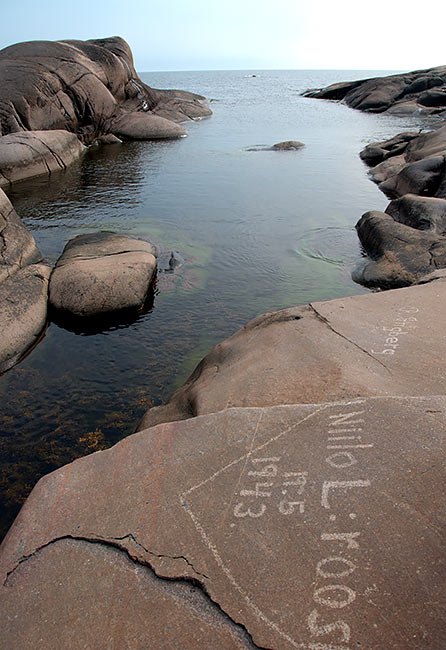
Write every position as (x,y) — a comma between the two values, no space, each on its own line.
(288,145)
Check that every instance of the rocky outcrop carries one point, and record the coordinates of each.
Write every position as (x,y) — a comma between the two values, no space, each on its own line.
(419,92)
(32,153)
(17,245)
(387,343)
(101,274)
(301,526)
(409,240)
(409,163)
(85,88)
(78,86)
(23,314)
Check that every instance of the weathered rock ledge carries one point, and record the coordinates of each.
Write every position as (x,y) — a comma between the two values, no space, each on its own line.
(388,343)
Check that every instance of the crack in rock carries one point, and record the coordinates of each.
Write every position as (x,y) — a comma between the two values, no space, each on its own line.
(327,323)
(240,628)
(160,555)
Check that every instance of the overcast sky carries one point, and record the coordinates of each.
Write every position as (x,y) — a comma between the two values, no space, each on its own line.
(244,34)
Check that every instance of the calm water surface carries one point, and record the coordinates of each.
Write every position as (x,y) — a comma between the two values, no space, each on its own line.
(259,230)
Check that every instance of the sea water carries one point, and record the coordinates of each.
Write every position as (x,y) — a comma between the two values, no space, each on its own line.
(258,230)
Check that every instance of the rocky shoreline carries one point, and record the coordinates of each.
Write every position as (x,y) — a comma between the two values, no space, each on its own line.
(289,494)
(407,241)
(56,99)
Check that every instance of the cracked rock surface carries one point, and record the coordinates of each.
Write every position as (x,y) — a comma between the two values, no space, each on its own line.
(389,343)
(314,526)
(102,273)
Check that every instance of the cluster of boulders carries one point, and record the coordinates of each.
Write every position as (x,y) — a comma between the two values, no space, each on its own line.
(408,241)
(419,92)
(99,277)
(57,97)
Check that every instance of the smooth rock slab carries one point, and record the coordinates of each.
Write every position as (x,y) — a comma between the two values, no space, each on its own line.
(102,273)
(23,313)
(315,527)
(388,343)
(33,153)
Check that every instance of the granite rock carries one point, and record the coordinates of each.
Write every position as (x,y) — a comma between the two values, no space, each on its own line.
(23,315)
(101,274)
(423,90)
(388,343)
(32,153)
(17,245)
(145,126)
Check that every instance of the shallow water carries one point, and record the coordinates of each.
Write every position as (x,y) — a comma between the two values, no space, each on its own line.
(259,230)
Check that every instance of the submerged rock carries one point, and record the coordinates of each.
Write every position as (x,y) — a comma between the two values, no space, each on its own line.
(383,343)
(250,527)
(102,274)
(289,145)
(23,313)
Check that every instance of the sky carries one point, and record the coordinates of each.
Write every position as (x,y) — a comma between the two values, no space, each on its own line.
(244,34)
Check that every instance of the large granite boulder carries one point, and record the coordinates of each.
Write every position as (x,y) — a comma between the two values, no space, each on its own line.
(23,313)
(315,527)
(83,87)
(388,343)
(79,86)
(400,254)
(17,245)
(32,153)
(421,91)
(101,274)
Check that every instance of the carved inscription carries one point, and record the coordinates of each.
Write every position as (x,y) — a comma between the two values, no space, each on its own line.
(267,485)
(334,596)
(404,321)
